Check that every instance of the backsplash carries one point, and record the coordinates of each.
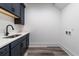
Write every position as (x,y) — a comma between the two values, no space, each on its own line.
(4,21)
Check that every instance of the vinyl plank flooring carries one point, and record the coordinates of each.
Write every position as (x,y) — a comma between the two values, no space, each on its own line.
(46,51)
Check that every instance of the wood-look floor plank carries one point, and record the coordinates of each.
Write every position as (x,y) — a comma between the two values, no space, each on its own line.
(46,51)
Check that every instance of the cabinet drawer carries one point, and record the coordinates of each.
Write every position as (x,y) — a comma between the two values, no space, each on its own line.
(4,50)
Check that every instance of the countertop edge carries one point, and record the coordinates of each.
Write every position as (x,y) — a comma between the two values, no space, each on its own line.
(11,40)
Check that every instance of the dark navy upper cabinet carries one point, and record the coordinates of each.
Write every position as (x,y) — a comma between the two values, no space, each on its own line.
(13,8)
(16,9)
(22,14)
(6,6)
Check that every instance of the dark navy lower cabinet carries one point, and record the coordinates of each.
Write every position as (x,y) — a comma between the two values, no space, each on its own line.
(4,51)
(20,46)
(16,9)
(23,47)
(16,48)
(24,44)
(27,41)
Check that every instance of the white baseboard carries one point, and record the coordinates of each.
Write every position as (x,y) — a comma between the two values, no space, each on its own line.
(43,45)
(25,53)
(66,50)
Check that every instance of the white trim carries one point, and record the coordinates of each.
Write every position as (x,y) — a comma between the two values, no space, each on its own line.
(66,50)
(43,45)
(26,53)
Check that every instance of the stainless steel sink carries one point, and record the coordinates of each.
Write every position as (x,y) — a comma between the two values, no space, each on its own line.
(12,36)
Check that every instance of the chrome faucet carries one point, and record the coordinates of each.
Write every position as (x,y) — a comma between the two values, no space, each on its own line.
(7,29)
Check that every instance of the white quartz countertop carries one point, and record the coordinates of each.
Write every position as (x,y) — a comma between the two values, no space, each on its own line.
(6,41)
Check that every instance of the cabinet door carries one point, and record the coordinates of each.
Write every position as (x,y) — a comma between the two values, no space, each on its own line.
(7,54)
(15,8)
(23,47)
(16,50)
(24,44)
(27,40)
(6,6)
(4,51)
(27,43)
(22,14)
(19,47)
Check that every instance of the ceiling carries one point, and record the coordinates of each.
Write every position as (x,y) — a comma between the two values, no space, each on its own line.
(60,6)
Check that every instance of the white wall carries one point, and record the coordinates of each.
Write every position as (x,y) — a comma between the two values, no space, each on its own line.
(43,21)
(70,21)
(4,21)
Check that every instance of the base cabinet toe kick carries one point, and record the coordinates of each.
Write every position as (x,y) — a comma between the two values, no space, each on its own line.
(17,47)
